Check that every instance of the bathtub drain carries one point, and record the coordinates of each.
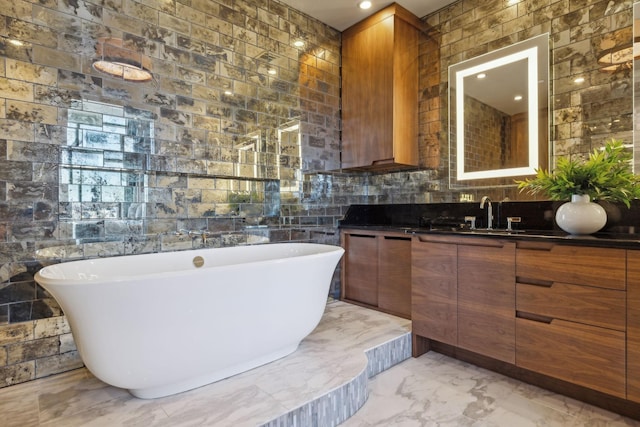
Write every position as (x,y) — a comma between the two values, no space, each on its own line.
(198,261)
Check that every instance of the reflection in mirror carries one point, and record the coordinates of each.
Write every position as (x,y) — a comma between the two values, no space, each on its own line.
(247,148)
(498,107)
(113,178)
(290,149)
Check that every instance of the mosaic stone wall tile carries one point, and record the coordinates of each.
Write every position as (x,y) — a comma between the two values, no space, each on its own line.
(18,373)
(51,327)
(22,352)
(15,89)
(16,333)
(67,343)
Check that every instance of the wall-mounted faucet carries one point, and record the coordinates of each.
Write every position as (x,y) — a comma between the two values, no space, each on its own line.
(487,200)
(472,222)
(511,220)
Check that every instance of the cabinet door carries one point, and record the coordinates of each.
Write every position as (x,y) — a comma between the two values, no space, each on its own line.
(575,303)
(434,270)
(633,325)
(361,268)
(379,88)
(581,265)
(394,275)
(581,354)
(367,95)
(486,298)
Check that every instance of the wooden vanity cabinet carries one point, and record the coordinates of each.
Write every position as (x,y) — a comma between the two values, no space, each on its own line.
(360,268)
(570,309)
(394,274)
(555,314)
(380,91)
(633,325)
(434,291)
(486,298)
(376,270)
(463,293)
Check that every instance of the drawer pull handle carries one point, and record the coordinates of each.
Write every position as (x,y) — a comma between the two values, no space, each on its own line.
(368,236)
(534,282)
(535,246)
(534,317)
(396,238)
(382,161)
(424,239)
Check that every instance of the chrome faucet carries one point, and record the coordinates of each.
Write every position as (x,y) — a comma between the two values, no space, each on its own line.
(487,200)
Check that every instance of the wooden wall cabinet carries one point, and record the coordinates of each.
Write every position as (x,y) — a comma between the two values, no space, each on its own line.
(376,270)
(463,293)
(380,91)
(571,305)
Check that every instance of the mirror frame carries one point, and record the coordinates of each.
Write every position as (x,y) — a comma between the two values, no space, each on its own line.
(533,50)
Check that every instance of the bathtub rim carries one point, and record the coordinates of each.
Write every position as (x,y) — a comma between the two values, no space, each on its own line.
(44,280)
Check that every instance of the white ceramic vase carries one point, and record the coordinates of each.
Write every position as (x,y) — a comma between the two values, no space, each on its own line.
(580,215)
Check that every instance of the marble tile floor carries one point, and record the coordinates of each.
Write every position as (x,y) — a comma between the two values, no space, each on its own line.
(432,390)
(436,390)
(322,383)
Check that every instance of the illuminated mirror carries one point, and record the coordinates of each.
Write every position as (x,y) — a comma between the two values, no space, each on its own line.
(498,108)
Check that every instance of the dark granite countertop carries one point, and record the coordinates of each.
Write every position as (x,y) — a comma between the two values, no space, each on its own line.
(537,222)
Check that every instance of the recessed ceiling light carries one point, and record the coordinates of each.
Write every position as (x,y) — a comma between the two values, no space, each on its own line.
(517,98)
(579,80)
(16,42)
(228,92)
(272,71)
(364,4)
(298,43)
(481,76)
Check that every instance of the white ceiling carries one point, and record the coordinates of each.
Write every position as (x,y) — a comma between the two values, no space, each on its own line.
(341,14)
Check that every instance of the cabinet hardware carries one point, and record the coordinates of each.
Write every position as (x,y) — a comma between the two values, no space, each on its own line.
(536,246)
(534,317)
(382,161)
(534,282)
(368,236)
(396,238)
(511,220)
(472,220)
(486,243)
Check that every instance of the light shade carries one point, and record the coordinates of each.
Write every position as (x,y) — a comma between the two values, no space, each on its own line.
(617,57)
(117,61)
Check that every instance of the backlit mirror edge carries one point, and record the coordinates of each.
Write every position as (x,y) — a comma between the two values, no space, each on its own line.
(535,160)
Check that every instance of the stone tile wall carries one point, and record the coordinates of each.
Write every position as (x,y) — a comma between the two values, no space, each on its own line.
(92,165)
(201,48)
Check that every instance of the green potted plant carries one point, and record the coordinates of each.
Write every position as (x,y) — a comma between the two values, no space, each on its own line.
(605,175)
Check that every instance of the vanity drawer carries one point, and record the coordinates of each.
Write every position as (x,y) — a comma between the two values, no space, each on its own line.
(581,354)
(546,263)
(582,304)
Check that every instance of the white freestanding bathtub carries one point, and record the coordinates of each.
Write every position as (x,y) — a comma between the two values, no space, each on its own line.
(163,323)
